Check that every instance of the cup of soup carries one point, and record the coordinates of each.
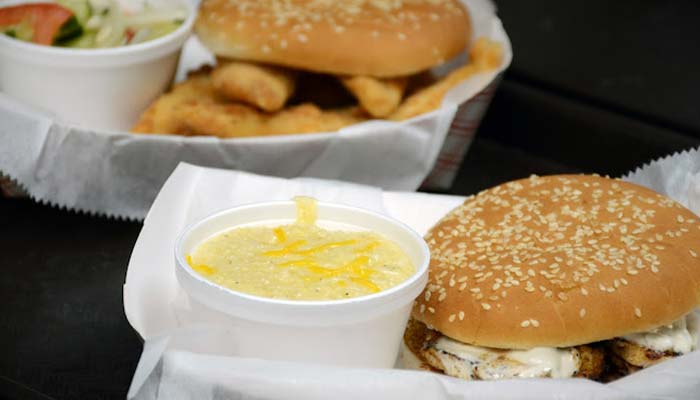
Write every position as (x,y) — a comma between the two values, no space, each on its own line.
(305,281)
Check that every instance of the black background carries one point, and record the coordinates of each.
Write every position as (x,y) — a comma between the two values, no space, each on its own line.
(595,86)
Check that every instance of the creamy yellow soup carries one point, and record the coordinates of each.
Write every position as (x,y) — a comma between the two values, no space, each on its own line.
(302,261)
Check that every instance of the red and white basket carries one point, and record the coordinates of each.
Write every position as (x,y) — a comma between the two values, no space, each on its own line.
(459,138)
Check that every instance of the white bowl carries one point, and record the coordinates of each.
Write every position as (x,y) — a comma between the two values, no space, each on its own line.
(94,88)
(363,331)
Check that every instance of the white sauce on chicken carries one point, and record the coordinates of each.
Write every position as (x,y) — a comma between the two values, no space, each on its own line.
(680,337)
(489,364)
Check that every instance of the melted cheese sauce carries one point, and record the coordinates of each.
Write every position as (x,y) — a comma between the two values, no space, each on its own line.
(680,337)
(301,261)
(488,364)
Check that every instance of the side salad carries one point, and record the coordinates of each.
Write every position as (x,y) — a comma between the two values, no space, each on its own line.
(89,24)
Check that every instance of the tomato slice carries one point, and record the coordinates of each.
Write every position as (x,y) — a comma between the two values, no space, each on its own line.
(45,19)
(129,33)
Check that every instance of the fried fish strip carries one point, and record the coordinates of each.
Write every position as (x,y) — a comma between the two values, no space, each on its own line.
(308,118)
(265,87)
(222,120)
(162,116)
(485,55)
(238,120)
(379,97)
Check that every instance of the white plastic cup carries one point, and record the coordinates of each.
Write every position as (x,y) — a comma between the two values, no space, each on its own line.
(93,88)
(361,332)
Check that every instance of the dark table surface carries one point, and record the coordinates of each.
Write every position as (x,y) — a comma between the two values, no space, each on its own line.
(595,86)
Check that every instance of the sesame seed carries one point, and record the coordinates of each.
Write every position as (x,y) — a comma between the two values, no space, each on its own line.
(562,296)
(401,36)
(451,318)
(582,312)
(431,310)
(535,323)
(461,315)
(692,253)
(486,306)
(638,312)
(442,296)
(525,323)
(302,38)
(584,291)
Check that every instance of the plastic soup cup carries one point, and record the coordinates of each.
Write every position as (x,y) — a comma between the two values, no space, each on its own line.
(362,331)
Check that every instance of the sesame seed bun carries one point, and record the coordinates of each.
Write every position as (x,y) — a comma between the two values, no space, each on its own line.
(380,38)
(560,261)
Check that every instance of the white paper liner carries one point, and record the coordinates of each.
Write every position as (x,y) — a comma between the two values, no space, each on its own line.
(181,359)
(677,176)
(119,174)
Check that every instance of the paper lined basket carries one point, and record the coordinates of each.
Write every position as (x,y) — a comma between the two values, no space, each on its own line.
(119,173)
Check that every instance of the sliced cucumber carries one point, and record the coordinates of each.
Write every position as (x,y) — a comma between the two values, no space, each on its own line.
(21,31)
(162,29)
(84,41)
(70,30)
(81,9)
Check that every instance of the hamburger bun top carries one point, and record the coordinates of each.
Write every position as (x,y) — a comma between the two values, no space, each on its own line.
(380,38)
(560,261)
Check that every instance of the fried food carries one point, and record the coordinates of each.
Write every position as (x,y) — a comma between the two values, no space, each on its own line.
(308,118)
(162,116)
(379,97)
(239,99)
(222,120)
(264,87)
(485,55)
(229,120)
